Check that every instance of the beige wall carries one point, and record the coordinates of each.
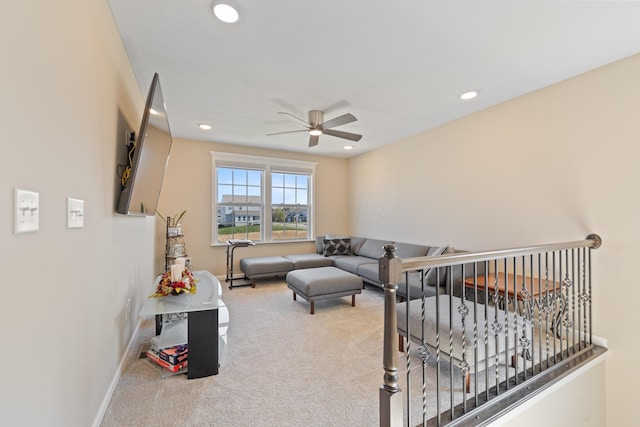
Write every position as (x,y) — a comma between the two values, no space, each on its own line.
(188,183)
(67,94)
(562,159)
(554,165)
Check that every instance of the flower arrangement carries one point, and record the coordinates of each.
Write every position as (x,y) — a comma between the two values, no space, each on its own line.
(186,285)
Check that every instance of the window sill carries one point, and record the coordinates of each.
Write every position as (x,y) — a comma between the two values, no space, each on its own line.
(275,242)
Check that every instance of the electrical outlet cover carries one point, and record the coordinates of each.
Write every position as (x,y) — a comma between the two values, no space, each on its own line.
(27,211)
(75,213)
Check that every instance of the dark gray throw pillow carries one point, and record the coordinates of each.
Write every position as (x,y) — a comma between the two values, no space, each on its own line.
(336,246)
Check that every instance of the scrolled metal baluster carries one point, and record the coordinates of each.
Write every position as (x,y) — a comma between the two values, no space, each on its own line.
(463,310)
(546,307)
(574,303)
(585,297)
(567,284)
(525,295)
(497,328)
(424,354)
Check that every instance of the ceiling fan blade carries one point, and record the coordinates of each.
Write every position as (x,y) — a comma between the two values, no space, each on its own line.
(338,121)
(313,140)
(288,131)
(294,117)
(340,134)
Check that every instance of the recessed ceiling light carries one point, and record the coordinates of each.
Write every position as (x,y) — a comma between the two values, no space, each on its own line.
(469,95)
(225,11)
(348,147)
(204,126)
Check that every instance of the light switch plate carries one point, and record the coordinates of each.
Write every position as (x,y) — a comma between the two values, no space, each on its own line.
(27,211)
(75,213)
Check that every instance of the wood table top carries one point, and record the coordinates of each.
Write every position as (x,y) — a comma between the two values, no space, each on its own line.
(511,282)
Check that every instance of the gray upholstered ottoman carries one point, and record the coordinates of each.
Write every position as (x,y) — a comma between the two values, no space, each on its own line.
(314,284)
(267,266)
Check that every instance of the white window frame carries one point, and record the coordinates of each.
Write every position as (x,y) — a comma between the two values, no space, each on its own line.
(267,165)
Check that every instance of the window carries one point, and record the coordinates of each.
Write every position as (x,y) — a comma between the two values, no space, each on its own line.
(239,195)
(289,206)
(261,198)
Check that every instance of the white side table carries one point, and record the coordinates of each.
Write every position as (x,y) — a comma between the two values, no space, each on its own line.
(202,320)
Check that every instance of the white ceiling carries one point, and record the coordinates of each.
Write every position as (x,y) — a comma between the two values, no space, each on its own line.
(398,66)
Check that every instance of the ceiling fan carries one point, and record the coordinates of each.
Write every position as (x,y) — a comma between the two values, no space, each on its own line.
(316,126)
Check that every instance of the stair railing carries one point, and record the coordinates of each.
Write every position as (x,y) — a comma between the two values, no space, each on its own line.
(529,302)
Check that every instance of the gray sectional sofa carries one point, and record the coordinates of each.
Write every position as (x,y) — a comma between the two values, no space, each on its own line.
(361,259)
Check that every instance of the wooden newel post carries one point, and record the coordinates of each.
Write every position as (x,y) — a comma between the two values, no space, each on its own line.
(390,272)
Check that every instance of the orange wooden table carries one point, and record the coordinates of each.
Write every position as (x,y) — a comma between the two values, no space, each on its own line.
(542,294)
(510,285)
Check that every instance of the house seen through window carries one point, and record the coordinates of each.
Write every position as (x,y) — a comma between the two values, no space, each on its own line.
(261,199)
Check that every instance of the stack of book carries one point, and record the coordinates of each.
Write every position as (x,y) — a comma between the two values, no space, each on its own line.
(173,358)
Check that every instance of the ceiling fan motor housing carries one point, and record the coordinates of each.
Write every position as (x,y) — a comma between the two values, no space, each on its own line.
(316,117)
(316,126)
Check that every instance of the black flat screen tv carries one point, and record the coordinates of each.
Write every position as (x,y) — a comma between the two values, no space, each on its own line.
(148,161)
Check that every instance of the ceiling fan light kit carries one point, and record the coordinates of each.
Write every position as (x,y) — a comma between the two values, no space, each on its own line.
(316,126)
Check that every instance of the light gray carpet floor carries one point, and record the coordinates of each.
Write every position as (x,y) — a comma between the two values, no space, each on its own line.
(282,367)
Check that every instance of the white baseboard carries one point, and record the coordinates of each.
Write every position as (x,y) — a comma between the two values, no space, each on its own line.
(116,377)
(602,342)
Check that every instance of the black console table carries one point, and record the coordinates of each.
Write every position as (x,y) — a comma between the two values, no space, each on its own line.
(231,247)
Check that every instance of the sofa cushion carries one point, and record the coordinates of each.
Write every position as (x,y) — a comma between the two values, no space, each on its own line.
(256,266)
(415,287)
(373,248)
(351,263)
(301,261)
(337,246)
(409,250)
(370,272)
(356,244)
